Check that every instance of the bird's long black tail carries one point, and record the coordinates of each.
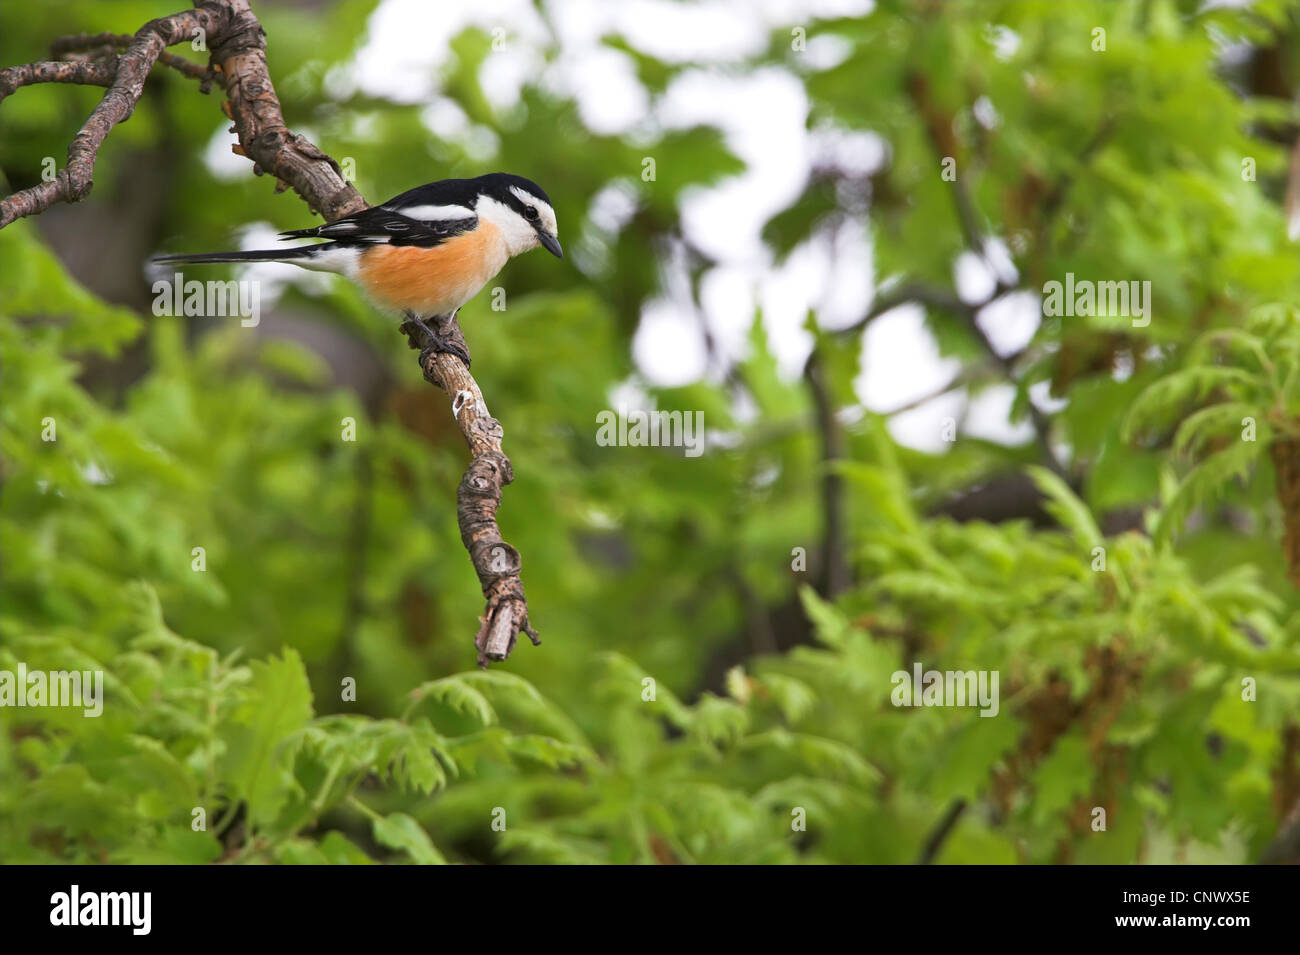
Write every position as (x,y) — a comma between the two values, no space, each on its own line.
(296,255)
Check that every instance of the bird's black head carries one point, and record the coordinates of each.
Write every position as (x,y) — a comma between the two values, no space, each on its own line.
(526,200)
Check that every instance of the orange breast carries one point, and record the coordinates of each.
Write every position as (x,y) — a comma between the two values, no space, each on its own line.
(432,281)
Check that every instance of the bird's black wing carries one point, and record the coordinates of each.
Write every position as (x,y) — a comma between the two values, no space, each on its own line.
(411,223)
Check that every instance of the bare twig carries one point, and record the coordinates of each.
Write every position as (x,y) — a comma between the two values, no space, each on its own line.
(936,839)
(477,499)
(961,380)
(83,72)
(74,182)
(82,42)
(904,295)
(947,301)
(1042,425)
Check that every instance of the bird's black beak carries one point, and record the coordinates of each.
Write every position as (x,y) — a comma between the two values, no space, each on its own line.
(550,243)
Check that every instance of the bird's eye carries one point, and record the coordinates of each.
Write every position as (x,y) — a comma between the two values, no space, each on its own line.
(531,212)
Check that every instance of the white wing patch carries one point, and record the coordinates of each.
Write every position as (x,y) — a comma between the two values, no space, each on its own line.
(432,213)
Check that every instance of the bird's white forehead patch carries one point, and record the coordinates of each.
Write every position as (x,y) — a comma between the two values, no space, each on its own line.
(433,213)
(544,211)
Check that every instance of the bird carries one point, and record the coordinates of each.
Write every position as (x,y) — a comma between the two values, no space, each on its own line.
(425,252)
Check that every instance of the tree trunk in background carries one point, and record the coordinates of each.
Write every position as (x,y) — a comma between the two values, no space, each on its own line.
(1286,459)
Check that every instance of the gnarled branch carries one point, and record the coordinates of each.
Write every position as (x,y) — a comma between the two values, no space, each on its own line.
(84,72)
(83,42)
(496,562)
(74,182)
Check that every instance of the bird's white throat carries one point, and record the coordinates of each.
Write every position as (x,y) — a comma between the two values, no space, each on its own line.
(517,233)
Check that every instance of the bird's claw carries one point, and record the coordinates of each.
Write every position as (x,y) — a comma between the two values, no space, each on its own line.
(447,345)
(447,339)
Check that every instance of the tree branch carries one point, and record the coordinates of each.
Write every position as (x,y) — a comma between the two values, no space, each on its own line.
(240,51)
(934,842)
(73,183)
(84,72)
(938,129)
(82,42)
(835,562)
(904,295)
(238,54)
(495,562)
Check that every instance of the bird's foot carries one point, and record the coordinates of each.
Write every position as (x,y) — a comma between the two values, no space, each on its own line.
(445,336)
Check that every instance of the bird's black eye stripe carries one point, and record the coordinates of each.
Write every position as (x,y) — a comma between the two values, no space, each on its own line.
(531,212)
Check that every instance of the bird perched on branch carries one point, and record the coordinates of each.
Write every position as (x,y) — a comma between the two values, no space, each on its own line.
(426,252)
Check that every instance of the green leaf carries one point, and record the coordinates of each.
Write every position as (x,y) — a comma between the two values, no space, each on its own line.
(1167,396)
(339,850)
(400,831)
(1203,484)
(1066,507)
(1063,776)
(276,704)
(1219,420)
(458,693)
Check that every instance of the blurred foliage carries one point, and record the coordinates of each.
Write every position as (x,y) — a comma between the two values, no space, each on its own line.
(327,562)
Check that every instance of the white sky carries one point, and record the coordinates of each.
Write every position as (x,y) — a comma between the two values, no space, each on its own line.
(763,117)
